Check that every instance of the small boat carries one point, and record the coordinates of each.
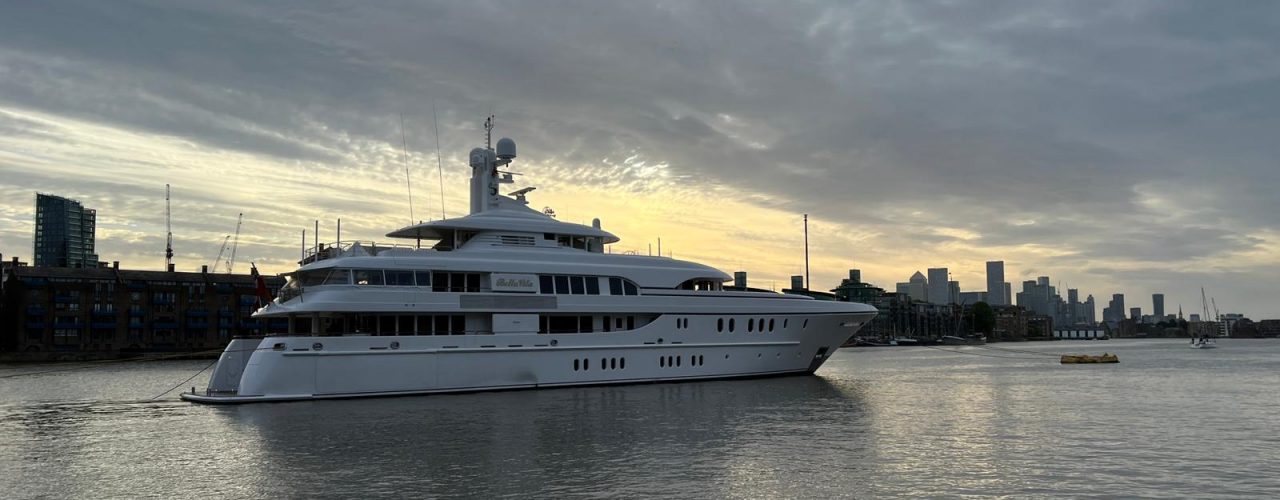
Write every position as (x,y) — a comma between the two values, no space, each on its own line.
(1203,343)
(1071,359)
(903,341)
(971,340)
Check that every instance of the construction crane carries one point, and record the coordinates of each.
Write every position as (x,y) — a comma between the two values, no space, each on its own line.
(218,260)
(235,244)
(168,228)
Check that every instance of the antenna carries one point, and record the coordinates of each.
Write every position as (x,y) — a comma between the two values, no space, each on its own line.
(404,154)
(806,251)
(439,162)
(168,229)
(488,132)
(235,244)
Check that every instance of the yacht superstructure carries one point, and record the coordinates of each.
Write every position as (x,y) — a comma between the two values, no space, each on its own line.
(508,297)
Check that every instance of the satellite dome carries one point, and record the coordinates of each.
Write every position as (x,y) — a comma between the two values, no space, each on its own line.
(506,148)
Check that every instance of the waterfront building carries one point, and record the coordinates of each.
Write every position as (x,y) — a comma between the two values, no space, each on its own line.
(852,289)
(110,310)
(64,233)
(1157,305)
(1079,333)
(997,289)
(1135,313)
(939,286)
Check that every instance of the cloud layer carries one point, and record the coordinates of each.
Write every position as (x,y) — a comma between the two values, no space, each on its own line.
(1115,146)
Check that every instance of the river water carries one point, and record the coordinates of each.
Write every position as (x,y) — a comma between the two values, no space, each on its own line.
(1167,421)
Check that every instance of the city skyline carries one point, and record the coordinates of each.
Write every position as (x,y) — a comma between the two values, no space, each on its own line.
(1076,152)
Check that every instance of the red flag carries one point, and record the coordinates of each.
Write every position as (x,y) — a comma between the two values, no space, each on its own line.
(264,297)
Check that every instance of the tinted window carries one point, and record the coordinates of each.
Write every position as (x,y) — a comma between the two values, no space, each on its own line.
(615,286)
(424,278)
(630,288)
(562,284)
(339,277)
(367,276)
(439,282)
(473,282)
(593,285)
(399,278)
(579,288)
(547,285)
(459,325)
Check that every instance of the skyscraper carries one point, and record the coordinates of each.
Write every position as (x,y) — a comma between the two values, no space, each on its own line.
(1157,306)
(939,288)
(996,287)
(64,233)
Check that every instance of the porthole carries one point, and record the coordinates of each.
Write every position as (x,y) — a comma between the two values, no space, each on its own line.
(575,365)
(806,324)
(678,360)
(622,364)
(662,361)
(719,325)
(613,363)
(730,325)
(771,324)
(784,323)
(751,322)
(586,364)
(603,364)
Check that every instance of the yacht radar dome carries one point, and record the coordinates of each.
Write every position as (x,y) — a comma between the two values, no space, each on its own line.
(506,148)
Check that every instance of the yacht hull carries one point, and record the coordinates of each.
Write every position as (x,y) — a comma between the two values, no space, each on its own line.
(293,368)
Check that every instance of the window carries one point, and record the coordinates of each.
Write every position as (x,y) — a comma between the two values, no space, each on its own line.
(386,325)
(441,325)
(750,324)
(720,325)
(339,277)
(630,288)
(459,323)
(424,278)
(547,284)
(578,285)
(771,324)
(730,325)
(562,284)
(615,286)
(593,285)
(367,276)
(406,325)
(399,278)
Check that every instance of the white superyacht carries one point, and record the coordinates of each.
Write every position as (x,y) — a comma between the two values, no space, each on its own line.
(509,298)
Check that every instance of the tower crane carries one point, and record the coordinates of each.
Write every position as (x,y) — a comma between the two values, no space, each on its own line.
(168,228)
(235,244)
(218,260)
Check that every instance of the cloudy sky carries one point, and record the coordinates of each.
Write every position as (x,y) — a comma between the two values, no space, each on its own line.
(1114,146)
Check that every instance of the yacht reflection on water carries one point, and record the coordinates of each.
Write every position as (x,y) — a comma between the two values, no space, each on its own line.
(583,436)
